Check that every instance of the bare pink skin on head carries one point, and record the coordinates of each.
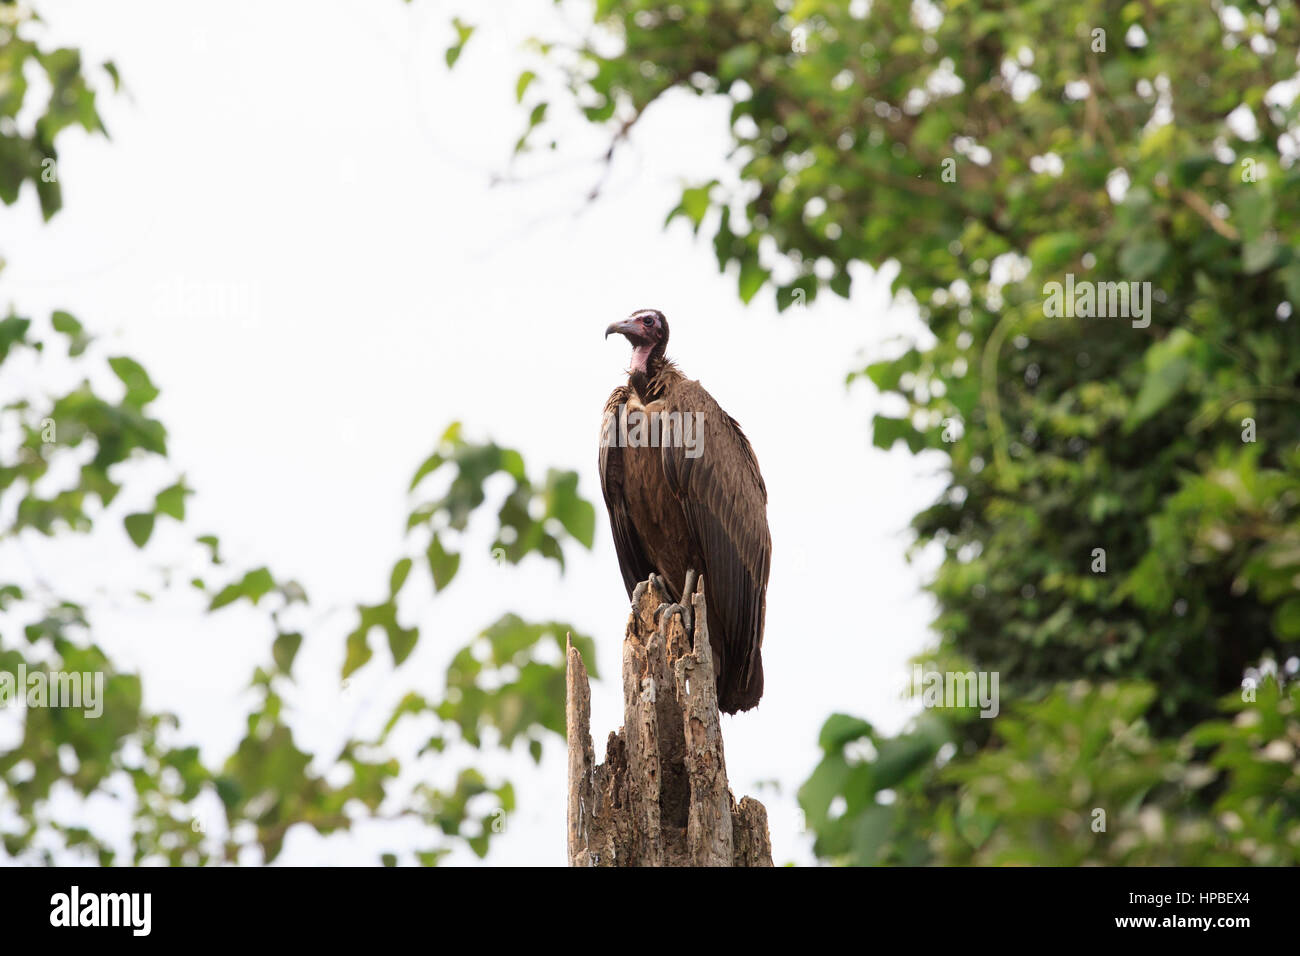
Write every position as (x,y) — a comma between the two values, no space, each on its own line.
(647,330)
(641,358)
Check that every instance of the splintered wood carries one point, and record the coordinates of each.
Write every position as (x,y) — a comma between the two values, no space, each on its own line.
(661,796)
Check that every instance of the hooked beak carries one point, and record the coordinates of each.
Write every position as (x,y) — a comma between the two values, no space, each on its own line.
(629,327)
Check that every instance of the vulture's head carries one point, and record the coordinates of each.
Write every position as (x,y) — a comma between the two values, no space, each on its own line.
(647,330)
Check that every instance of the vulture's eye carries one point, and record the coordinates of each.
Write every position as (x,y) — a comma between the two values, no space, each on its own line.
(648,321)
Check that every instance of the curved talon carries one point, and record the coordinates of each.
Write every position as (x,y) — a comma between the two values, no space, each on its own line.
(671,610)
(660,610)
(688,593)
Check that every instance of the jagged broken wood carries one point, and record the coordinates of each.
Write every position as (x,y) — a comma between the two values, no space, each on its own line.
(661,796)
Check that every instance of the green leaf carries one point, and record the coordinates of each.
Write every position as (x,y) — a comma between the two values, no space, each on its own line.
(140,391)
(13,330)
(442,563)
(427,467)
(1287,619)
(284,649)
(738,62)
(254,586)
(213,544)
(885,431)
(1050,253)
(839,729)
(871,832)
(842,284)
(820,789)
(171,500)
(752,277)
(1168,364)
(357,650)
(1258,255)
(1290,277)
(887,374)
(695,204)
(65,323)
(398,576)
(899,757)
(1143,258)
(535,119)
(139,526)
(463,32)
(576,514)
(1253,211)
(521,85)
(401,641)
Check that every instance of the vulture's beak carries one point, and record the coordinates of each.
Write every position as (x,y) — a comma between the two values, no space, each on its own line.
(628,327)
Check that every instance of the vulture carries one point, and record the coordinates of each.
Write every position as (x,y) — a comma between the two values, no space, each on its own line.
(686,500)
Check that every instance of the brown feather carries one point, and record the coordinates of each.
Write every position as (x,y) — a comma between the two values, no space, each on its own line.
(671,512)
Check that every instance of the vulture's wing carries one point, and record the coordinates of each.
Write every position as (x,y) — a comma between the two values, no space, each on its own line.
(725,502)
(632,560)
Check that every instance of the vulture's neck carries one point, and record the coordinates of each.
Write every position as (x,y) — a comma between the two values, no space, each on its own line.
(651,377)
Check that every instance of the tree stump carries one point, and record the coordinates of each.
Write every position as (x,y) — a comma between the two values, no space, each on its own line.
(661,796)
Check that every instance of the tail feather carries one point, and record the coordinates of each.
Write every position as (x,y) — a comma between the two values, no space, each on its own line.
(735,693)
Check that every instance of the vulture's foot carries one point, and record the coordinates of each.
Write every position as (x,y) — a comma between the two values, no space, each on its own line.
(661,609)
(660,584)
(671,609)
(638,592)
(688,615)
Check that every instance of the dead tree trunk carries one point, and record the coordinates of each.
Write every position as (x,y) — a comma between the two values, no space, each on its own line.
(661,796)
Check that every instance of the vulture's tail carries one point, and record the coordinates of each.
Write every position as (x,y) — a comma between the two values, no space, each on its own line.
(735,692)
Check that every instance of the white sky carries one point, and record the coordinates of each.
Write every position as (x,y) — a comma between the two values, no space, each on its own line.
(292,228)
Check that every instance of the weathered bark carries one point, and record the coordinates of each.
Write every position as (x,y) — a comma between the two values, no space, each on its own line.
(661,796)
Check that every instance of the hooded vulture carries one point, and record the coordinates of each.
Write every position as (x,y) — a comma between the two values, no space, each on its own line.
(685,498)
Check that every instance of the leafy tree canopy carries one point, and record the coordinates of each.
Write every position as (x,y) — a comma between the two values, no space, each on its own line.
(77,450)
(1121,527)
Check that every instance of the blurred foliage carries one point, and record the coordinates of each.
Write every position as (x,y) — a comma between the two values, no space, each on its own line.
(269,783)
(29,155)
(71,455)
(1121,527)
(1078,777)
